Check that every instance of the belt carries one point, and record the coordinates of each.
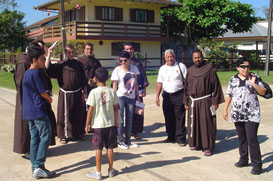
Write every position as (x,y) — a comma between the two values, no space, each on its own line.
(192,106)
(66,119)
(175,93)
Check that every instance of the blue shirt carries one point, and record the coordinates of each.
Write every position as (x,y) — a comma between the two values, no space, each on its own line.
(34,105)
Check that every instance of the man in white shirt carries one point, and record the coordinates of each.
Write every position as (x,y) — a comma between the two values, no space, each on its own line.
(170,79)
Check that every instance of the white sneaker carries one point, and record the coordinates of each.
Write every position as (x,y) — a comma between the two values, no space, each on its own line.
(94,175)
(112,173)
(122,146)
(43,173)
(133,145)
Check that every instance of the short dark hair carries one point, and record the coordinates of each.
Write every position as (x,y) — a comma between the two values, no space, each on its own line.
(241,60)
(198,51)
(88,44)
(124,54)
(101,74)
(34,51)
(41,41)
(69,46)
(127,44)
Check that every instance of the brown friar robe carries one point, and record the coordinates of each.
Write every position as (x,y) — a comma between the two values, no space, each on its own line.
(51,115)
(90,65)
(202,83)
(71,79)
(21,142)
(138,120)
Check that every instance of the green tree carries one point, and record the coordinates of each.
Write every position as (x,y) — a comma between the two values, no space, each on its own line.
(192,20)
(213,49)
(12,33)
(7,4)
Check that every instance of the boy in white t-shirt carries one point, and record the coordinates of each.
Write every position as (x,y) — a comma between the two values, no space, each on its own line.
(103,112)
(124,79)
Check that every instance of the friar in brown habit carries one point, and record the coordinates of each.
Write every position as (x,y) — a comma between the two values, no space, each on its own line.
(203,94)
(48,87)
(21,142)
(72,83)
(90,65)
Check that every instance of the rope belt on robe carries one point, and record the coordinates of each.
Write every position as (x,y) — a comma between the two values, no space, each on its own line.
(66,119)
(192,106)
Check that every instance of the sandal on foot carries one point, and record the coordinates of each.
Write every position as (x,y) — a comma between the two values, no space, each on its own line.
(181,144)
(207,153)
(136,136)
(63,141)
(193,148)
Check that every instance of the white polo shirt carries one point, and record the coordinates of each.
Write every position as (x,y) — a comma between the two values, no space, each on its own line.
(171,78)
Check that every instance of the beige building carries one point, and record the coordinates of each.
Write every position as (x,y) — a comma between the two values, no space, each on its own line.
(109,23)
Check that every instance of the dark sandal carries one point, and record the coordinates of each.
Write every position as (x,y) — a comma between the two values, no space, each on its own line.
(63,141)
(193,148)
(136,136)
(207,153)
(182,144)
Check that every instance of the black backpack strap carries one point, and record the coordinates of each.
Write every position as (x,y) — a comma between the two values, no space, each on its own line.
(181,72)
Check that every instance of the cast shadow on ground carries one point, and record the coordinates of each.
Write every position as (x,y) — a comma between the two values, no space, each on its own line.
(88,163)
(148,131)
(91,162)
(130,156)
(72,147)
(156,164)
(227,140)
(268,157)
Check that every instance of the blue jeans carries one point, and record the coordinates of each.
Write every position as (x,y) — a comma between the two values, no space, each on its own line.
(40,131)
(126,105)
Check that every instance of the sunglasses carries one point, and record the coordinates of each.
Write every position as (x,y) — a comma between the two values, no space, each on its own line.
(125,60)
(244,66)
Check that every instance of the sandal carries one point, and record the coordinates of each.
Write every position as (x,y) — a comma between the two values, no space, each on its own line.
(207,152)
(181,144)
(136,136)
(193,148)
(63,141)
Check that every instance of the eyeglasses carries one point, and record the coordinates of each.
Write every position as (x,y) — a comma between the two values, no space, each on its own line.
(125,60)
(244,66)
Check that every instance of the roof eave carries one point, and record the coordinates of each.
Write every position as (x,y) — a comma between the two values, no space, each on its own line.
(52,2)
(45,5)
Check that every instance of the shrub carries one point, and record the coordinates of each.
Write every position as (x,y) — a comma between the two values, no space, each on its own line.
(8,68)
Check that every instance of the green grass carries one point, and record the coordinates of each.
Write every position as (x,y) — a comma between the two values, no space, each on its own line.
(6,80)
(225,76)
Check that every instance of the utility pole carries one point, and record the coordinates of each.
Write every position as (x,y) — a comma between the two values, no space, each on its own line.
(63,25)
(268,49)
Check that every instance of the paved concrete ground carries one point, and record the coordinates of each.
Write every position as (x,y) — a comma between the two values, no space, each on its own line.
(153,160)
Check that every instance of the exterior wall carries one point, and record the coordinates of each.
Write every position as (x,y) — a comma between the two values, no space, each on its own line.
(104,51)
(126,5)
(35,33)
(247,44)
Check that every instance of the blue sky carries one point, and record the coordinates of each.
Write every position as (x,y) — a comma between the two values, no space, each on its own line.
(32,16)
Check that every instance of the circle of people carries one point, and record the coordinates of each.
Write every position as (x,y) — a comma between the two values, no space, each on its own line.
(114,115)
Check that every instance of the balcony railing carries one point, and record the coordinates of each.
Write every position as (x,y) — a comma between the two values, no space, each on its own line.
(106,31)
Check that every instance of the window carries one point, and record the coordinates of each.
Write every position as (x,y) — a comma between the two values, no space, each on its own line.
(75,14)
(141,16)
(108,13)
(118,46)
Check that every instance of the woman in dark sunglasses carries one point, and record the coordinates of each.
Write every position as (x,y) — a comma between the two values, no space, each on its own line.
(124,79)
(245,113)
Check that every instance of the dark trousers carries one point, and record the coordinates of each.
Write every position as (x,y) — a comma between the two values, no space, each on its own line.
(247,136)
(174,113)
